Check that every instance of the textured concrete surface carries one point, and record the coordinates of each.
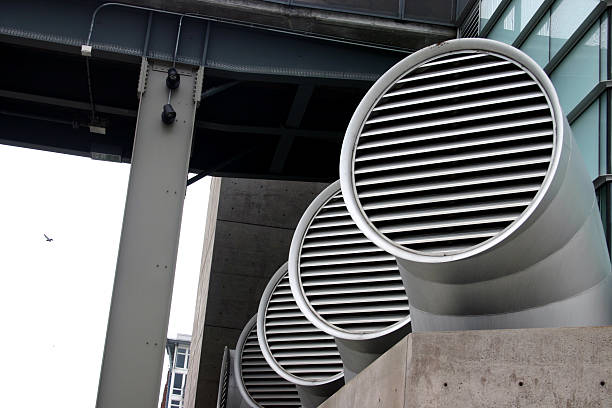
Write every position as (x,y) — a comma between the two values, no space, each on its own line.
(568,367)
(248,236)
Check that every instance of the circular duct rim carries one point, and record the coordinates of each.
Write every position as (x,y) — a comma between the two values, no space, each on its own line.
(238,367)
(294,279)
(263,342)
(387,80)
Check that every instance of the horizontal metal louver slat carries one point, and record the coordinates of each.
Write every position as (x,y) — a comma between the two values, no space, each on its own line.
(450,95)
(464,182)
(483,140)
(455,82)
(404,164)
(410,176)
(452,71)
(481,193)
(470,117)
(438,134)
(452,153)
(444,108)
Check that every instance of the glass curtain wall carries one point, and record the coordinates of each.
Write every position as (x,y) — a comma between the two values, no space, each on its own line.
(570,40)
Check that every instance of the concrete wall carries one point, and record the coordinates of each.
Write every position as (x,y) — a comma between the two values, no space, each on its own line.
(567,368)
(247,239)
(200,310)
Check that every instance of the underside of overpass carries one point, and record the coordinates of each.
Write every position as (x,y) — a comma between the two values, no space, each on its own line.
(281,80)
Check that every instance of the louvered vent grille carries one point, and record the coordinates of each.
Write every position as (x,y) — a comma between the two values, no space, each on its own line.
(262,383)
(351,283)
(225,375)
(453,152)
(296,344)
(469,28)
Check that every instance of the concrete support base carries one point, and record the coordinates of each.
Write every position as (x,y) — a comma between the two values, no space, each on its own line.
(567,367)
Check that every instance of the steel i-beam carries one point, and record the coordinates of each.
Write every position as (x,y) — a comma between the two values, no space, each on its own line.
(140,307)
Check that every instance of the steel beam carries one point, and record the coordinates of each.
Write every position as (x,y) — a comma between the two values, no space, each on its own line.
(294,119)
(140,307)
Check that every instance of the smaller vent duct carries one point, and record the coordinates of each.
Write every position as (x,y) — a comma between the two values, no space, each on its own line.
(460,163)
(345,285)
(296,349)
(258,384)
(228,395)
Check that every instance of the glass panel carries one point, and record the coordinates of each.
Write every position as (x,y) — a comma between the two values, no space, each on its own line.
(603,49)
(182,350)
(180,360)
(578,73)
(515,18)
(586,133)
(566,16)
(487,8)
(537,44)
(603,134)
(178,380)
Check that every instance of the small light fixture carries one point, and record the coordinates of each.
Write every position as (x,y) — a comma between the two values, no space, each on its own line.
(168,114)
(174,79)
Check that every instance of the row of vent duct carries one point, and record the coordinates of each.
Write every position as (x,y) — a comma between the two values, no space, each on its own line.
(462,190)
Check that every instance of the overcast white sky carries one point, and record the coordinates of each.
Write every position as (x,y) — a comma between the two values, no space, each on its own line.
(55,296)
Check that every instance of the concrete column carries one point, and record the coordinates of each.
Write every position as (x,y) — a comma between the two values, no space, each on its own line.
(566,367)
(140,307)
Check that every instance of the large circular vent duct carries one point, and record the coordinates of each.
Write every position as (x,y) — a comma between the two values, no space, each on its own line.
(345,285)
(228,395)
(461,164)
(298,351)
(258,384)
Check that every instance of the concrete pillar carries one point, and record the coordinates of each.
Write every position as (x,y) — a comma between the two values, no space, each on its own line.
(567,367)
(140,307)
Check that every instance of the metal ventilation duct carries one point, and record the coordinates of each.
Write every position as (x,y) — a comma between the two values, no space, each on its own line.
(345,285)
(461,164)
(258,384)
(228,395)
(296,350)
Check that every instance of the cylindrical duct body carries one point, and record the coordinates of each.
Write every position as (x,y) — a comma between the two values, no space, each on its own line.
(461,164)
(345,285)
(258,384)
(294,348)
(228,395)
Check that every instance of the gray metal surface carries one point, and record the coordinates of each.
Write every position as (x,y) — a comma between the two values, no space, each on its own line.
(140,306)
(344,284)
(524,238)
(293,347)
(258,384)
(229,396)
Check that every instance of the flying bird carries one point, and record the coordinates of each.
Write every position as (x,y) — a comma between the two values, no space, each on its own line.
(47,238)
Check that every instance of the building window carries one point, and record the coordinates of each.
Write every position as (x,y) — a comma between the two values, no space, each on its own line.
(579,71)
(177,384)
(182,355)
(514,19)
(487,8)
(556,27)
